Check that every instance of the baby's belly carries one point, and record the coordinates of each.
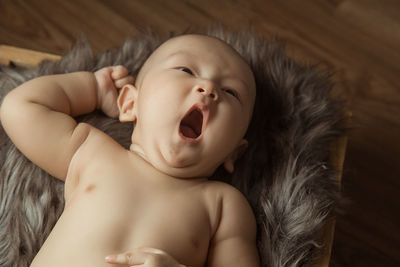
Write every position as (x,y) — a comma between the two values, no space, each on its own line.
(101,221)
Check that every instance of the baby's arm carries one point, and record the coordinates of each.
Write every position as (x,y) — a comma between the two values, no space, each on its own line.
(38,115)
(234,243)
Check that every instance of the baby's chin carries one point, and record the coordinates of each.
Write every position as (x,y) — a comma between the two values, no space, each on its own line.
(184,170)
(178,167)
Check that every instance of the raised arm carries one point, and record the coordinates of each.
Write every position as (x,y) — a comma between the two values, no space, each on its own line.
(38,115)
(234,243)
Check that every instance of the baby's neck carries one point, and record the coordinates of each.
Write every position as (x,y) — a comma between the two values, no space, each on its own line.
(138,151)
(144,166)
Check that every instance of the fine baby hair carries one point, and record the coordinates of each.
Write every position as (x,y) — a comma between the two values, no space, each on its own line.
(284,173)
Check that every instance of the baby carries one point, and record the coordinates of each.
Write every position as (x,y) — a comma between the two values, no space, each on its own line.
(152,205)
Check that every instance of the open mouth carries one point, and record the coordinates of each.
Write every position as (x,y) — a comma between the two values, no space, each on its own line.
(191,125)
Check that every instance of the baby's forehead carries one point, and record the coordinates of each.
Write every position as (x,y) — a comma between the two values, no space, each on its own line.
(197,43)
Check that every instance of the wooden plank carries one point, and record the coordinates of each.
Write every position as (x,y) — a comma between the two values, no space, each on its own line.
(23,57)
(337,156)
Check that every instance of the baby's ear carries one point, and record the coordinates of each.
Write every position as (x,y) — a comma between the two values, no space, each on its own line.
(229,163)
(126,103)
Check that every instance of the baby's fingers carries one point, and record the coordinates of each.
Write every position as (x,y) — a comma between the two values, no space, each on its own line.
(124,81)
(128,258)
(119,72)
(144,256)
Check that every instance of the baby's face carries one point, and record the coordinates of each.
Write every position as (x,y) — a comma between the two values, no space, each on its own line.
(194,102)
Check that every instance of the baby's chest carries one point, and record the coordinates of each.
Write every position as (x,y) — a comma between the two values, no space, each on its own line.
(176,221)
(178,228)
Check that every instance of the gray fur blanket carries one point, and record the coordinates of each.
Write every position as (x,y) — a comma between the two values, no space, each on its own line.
(285,174)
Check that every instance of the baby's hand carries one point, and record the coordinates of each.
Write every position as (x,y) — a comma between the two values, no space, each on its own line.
(109,81)
(146,257)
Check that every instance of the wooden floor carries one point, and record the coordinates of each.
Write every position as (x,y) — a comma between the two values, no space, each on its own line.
(358,39)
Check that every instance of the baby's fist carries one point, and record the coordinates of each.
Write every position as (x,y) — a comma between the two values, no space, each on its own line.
(109,81)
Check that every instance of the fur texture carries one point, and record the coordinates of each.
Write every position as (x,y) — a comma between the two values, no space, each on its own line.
(285,173)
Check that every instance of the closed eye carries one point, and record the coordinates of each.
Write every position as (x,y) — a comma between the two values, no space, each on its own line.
(185,69)
(231,92)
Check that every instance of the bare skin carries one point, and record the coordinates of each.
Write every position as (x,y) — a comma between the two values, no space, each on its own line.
(142,208)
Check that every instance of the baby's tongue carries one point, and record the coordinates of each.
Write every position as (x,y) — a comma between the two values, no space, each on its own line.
(188,131)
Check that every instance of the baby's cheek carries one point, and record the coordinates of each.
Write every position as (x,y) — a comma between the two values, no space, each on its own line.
(238,121)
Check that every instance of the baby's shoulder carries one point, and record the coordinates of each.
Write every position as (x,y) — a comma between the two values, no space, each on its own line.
(232,207)
(97,149)
(228,198)
(98,144)
(225,191)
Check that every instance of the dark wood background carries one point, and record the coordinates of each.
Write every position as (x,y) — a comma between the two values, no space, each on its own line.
(357,39)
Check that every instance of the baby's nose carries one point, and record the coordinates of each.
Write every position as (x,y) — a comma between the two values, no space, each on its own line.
(208,91)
